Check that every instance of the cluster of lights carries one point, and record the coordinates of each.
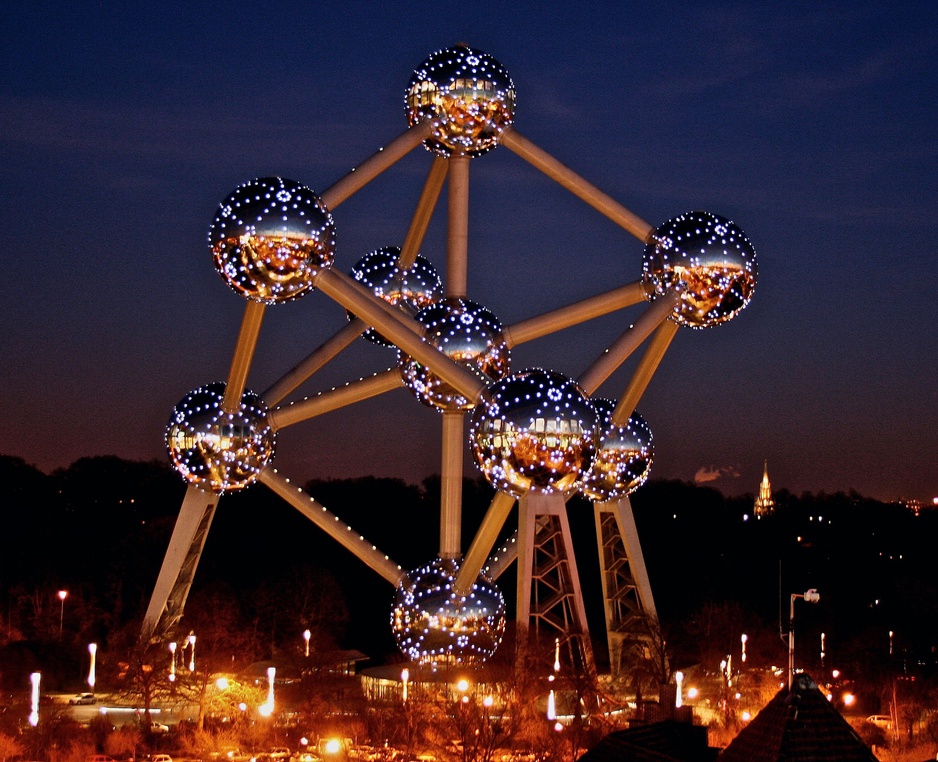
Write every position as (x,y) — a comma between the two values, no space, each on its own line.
(466,95)
(218,451)
(432,625)
(412,288)
(467,334)
(623,457)
(708,260)
(270,238)
(535,430)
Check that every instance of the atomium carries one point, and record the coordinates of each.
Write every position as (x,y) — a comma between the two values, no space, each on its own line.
(466,95)
(434,625)
(466,333)
(535,430)
(708,260)
(412,288)
(269,239)
(623,458)
(535,435)
(215,450)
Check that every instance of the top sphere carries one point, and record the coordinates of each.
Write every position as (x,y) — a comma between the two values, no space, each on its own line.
(467,95)
(708,260)
(270,238)
(412,288)
(535,430)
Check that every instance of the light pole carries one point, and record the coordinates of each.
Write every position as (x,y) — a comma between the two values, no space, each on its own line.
(63,594)
(405,678)
(306,636)
(191,651)
(172,664)
(93,650)
(811,596)
(34,679)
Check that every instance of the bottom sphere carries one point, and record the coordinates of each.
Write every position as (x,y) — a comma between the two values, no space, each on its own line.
(432,625)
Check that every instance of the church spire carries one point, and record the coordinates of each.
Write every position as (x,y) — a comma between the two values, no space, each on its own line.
(765,505)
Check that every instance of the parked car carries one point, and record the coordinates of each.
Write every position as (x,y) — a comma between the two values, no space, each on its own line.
(101,758)
(159,727)
(161,758)
(83,698)
(881,721)
(279,753)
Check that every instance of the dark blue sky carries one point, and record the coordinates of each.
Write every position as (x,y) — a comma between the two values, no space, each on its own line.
(810,125)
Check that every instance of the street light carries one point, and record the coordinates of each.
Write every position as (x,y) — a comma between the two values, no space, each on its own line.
(63,594)
(811,596)
(172,664)
(34,699)
(743,638)
(405,678)
(306,636)
(93,650)
(192,652)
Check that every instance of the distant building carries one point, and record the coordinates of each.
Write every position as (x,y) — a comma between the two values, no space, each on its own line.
(765,505)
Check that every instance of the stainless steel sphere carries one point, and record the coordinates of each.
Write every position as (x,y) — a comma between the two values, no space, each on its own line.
(623,456)
(218,451)
(466,95)
(708,260)
(535,430)
(432,625)
(270,238)
(464,332)
(412,288)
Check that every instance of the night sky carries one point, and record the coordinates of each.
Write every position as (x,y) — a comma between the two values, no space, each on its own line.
(810,125)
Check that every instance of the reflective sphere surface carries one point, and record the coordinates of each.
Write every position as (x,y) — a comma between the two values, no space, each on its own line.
(535,430)
(464,332)
(270,238)
(468,97)
(412,288)
(708,260)
(218,451)
(623,456)
(434,626)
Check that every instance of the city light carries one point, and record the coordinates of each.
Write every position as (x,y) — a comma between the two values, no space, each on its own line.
(34,679)
(93,650)
(63,594)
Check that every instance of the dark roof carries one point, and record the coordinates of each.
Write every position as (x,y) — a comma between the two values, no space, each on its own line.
(667,741)
(798,726)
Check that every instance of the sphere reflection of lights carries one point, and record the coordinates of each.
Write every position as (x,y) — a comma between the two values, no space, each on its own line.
(468,97)
(536,430)
(623,456)
(464,332)
(218,451)
(270,238)
(710,262)
(434,626)
(413,288)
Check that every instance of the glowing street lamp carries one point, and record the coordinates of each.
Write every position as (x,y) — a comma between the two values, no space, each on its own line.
(63,594)
(306,636)
(811,596)
(93,650)
(34,699)
(551,706)
(172,664)
(405,678)
(191,640)
(678,698)
(743,638)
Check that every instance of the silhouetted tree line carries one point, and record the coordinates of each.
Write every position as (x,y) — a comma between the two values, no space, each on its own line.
(100,527)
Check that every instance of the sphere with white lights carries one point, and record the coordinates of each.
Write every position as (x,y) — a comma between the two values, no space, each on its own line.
(623,456)
(218,451)
(412,288)
(466,95)
(535,430)
(466,333)
(270,238)
(708,260)
(432,625)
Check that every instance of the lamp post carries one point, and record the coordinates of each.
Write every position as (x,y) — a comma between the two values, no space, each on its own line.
(405,678)
(306,636)
(172,663)
(34,699)
(811,596)
(191,640)
(93,650)
(63,594)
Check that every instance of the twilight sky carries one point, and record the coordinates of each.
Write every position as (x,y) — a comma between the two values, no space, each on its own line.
(812,126)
